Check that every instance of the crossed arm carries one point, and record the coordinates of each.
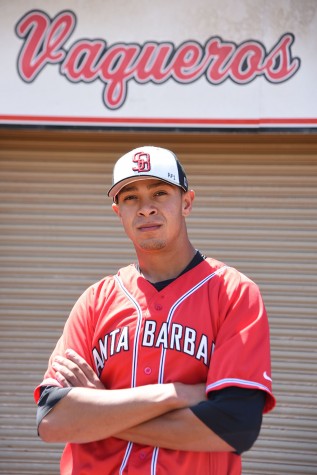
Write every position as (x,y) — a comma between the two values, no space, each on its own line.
(156,415)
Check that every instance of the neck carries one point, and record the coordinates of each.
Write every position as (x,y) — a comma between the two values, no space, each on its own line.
(163,265)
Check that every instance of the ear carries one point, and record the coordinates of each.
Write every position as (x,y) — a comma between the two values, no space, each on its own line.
(116,209)
(188,199)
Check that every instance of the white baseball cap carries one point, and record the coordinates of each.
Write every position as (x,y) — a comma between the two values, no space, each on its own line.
(147,162)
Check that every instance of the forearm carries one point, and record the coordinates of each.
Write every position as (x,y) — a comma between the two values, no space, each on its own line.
(86,415)
(177,430)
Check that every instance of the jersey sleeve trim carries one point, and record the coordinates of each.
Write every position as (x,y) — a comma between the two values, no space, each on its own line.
(45,382)
(222,383)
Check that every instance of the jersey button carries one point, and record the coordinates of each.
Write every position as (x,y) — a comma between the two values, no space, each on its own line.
(147,370)
(158,306)
(142,455)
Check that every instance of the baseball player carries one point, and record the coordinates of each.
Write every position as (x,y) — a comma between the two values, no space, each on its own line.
(163,368)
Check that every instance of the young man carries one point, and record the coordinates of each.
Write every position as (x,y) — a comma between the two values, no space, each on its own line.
(163,368)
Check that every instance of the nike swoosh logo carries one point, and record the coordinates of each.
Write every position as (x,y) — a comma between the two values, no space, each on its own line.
(265,376)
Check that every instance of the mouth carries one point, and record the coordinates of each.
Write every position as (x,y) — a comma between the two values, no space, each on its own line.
(149,227)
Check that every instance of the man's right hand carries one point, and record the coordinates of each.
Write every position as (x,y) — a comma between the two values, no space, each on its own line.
(72,370)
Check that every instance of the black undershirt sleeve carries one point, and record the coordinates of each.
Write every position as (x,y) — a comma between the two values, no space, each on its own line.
(50,396)
(234,414)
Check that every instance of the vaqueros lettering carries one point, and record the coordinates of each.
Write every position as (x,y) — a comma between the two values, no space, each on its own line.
(90,59)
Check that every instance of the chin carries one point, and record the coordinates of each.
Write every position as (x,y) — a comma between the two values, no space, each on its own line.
(152,245)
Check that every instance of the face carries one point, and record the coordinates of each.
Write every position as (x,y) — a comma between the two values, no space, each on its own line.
(153,213)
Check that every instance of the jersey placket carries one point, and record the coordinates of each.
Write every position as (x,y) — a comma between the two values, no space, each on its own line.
(152,310)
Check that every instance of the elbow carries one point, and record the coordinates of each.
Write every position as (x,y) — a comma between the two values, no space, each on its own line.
(49,432)
(246,441)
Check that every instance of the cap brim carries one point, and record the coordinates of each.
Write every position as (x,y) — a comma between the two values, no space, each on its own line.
(115,189)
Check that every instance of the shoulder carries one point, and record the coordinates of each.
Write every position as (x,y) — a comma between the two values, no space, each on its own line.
(96,299)
(108,284)
(231,279)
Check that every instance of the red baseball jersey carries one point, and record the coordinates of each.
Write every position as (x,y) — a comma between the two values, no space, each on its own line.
(209,325)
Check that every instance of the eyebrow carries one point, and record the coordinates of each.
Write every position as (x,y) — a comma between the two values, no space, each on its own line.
(150,186)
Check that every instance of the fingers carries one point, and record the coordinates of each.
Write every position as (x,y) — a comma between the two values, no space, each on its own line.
(80,363)
(86,372)
(60,376)
(73,370)
(67,373)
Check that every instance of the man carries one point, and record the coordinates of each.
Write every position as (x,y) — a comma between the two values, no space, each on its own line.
(165,367)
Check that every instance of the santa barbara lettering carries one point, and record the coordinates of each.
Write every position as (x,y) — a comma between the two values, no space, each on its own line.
(114,342)
(170,337)
(175,337)
(115,65)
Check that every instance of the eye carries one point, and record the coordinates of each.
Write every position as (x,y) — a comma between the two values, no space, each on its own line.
(160,193)
(129,197)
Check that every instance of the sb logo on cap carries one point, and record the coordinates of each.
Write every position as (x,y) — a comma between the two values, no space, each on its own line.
(143,162)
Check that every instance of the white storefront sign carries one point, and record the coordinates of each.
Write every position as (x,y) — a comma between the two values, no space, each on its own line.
(159,64)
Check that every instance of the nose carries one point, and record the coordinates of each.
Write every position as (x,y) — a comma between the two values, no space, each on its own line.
(147,208)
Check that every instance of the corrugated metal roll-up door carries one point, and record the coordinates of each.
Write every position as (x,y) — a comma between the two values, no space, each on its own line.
(255,209)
